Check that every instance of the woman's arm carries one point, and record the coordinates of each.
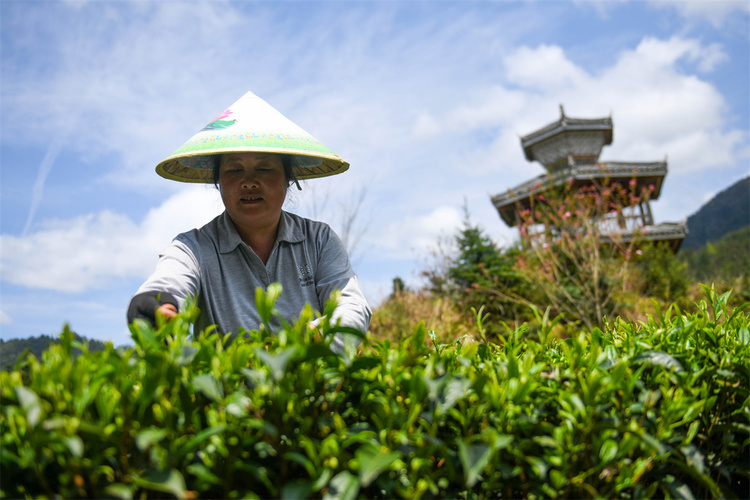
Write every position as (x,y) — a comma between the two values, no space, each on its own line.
(177,276)
(334,272)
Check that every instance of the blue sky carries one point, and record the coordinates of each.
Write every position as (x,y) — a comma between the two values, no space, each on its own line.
(426,100)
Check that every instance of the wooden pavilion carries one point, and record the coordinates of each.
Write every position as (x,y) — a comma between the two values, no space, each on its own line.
(569,150)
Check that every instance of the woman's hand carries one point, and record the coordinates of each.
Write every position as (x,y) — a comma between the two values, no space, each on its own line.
(167,311)
(314,328)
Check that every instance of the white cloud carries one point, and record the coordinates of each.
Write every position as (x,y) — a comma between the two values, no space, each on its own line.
(658,109)
(544,68)
(716,12)
(602,7)
(655,54)
(494,107)
(5,319)
(416,234)
(705,149)
(425,126)
(44,169)
(92,251)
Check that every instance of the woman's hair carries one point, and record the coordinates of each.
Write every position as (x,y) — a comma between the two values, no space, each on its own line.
(286,162)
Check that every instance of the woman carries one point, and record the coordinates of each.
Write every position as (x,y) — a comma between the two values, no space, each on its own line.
(254,242)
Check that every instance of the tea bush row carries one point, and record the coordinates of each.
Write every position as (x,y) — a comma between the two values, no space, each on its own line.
(657,409)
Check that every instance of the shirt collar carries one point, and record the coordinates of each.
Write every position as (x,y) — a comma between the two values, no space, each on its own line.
(229,239)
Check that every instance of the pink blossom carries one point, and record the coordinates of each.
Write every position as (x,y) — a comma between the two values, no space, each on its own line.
(639,252)
(631,183)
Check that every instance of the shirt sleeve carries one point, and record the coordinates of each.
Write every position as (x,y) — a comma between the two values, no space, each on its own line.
(177,272)
(334,272)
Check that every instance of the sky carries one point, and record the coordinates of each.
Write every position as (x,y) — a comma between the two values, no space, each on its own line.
(426,101)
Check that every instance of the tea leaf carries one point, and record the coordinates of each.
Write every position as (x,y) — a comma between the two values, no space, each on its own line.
(237,405)
(276,362)
(678,489)
(373,460)
(539,465)
(743,335)
(265,300)
(203,473)
(297,489)
(166,481)
(193,443)
(474,458)
(659,358)
(452,391)
(31,405)
(74,445)
(694,458)
(608,451)
(343,486)
(209,386)
(119,490)
(149,437)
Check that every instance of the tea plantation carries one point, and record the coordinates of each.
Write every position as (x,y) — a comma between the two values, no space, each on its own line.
(658,409)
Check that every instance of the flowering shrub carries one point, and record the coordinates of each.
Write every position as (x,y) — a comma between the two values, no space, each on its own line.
(648,410)
(576,257)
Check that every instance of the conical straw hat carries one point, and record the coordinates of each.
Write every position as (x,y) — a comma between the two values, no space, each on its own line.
(250,125)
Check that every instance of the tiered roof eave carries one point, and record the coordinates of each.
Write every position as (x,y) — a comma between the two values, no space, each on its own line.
(563,125)
(672,233)
(646,174)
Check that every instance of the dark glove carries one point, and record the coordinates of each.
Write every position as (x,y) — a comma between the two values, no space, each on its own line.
(144,305)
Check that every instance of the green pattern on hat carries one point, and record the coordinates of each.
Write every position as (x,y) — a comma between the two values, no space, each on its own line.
(250,125)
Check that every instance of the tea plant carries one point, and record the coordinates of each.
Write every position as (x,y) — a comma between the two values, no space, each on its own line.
(655,409)
(575,255)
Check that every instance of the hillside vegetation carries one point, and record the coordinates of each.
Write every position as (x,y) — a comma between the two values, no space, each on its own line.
(725,213)
(726,260)
(11,350)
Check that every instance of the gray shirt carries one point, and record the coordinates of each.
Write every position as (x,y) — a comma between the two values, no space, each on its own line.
(214,264)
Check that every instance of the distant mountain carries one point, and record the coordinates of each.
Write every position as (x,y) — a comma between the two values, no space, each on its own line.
(10,350)
(727,212)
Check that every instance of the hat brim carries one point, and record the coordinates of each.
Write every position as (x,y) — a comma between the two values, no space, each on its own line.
(198,167)
(250,125)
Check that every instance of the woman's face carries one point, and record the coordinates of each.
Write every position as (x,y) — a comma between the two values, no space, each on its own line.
(253,188)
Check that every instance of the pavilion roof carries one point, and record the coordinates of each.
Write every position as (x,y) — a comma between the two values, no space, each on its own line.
(565,125)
